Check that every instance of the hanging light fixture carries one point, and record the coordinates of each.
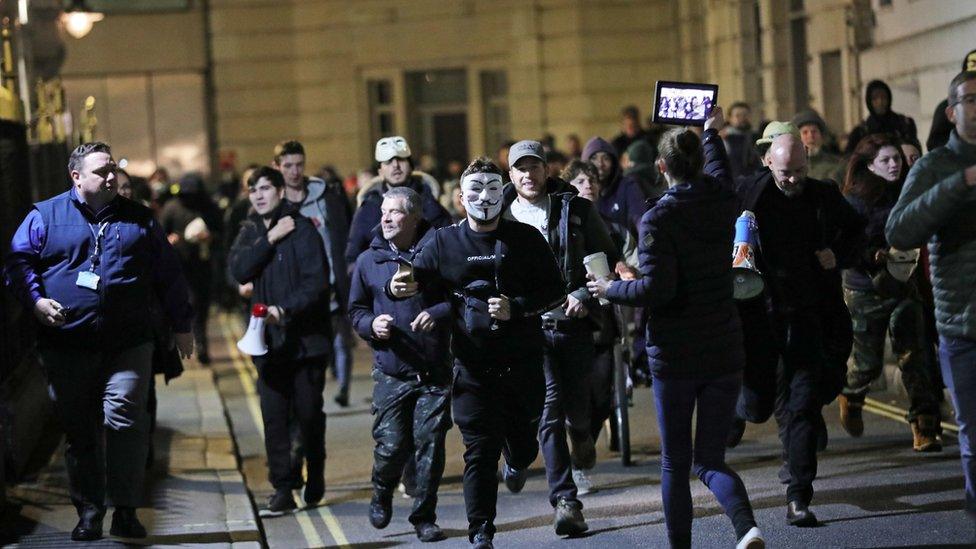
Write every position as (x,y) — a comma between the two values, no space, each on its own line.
(78,19)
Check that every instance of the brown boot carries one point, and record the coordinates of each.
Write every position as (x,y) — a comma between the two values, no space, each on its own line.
(850,416)
(925,432)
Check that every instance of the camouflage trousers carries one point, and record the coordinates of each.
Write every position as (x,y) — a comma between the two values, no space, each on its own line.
(411,420)
(874,318)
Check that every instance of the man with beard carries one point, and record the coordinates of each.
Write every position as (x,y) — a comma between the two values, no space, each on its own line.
(395,168)
(409,337)
(574,230)
(808,234)
(502,277)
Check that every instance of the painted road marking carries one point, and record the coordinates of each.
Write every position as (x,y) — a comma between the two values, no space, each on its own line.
(247,375)
(899,414)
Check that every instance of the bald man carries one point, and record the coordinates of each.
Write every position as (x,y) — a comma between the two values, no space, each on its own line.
(808,234)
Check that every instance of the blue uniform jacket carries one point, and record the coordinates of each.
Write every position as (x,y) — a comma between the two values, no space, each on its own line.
(55,243)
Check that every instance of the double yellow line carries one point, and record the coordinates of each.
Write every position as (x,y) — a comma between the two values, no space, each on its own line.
(898,414)
(248,375)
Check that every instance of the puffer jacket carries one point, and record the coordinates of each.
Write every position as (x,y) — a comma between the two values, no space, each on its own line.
(936,206)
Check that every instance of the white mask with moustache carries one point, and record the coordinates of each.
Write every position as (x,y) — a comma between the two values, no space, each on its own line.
(482,194)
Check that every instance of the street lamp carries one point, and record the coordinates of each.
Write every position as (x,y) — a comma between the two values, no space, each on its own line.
(79,19)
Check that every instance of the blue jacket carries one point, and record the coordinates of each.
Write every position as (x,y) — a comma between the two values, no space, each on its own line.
(685,245)
(368,216)
(406,353)
(56,242)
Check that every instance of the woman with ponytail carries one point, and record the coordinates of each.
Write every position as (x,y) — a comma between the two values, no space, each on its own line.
(694,337)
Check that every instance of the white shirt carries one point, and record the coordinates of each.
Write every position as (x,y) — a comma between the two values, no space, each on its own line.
(536,215)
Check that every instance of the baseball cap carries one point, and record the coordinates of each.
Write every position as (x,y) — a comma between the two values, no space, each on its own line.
(391,147)
(775,129)
(525,148)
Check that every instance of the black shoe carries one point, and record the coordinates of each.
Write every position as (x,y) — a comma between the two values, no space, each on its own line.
(482,539)
(568,519)
(314,489)
(203,358)
(342,399)
(380,509)
(735,432)
(428,532)
(89,526)
(514,480)
(799,514)
(125,524)
(279,503)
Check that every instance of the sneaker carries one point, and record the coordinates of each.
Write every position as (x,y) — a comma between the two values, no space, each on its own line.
(514,480)
(752,540)
(280,503)
(429,532)
(125,523)
(735,432)
(582,482)
(342,399)
(850,416)
(380,509)
(482,539)
(568,519)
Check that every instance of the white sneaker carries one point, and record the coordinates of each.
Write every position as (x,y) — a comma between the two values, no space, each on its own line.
(582,482)
(752,540)
(402,488)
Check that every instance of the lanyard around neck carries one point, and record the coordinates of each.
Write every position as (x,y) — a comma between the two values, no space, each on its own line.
(97,253)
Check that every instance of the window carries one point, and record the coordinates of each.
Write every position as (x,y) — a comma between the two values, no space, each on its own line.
(494,94)
(437,116)
(798,57)
(381,116)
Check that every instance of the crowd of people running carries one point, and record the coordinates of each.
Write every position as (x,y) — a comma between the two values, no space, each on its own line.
(473,289)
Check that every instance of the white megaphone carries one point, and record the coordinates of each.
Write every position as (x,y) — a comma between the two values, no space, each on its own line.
(747,281)
(253,341)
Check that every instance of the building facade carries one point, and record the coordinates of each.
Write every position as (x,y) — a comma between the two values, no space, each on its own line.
(460,77)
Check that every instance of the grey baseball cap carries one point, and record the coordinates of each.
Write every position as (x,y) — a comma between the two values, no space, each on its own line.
(526,148)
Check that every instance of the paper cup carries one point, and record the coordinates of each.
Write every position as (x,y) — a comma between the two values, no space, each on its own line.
(596,265)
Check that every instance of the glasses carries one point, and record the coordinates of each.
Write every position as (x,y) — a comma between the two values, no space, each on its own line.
(968,100)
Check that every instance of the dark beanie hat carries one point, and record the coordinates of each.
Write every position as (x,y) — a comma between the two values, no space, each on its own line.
(641,152)
(598,144)
(191,183)
(809,116)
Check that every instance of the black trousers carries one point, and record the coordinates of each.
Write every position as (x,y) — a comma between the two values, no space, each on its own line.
(411,420)
(601,389)
(497,412)
(567,365)
(287,388)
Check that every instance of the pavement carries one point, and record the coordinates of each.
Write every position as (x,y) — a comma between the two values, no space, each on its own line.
(194,492)
(211,474)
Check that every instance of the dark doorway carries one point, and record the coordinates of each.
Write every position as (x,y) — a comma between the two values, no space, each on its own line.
(450,138)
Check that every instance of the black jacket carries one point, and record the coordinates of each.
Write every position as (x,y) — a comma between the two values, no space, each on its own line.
(875,214)
(575,230)
(368,216)
(685,245)
(899,125)
(405,353)
(292,274)
(513,260)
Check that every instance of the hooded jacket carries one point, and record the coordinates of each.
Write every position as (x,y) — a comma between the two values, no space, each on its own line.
(406,353)
(622,200)
(899,125)
(328,210)
(368,215)
(693,328)
(293,274)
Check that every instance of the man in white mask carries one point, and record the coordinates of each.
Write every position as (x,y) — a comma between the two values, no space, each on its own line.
(501,276)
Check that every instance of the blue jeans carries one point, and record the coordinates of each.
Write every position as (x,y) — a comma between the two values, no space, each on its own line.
(675,401)
(957,357)
(342,350)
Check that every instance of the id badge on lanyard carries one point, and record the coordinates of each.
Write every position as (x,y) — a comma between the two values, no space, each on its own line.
(88,279)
